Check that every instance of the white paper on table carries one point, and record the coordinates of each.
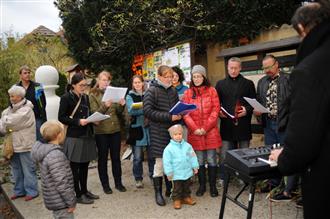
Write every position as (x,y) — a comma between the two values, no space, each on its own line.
(95,117)
(256,105)
(114,94)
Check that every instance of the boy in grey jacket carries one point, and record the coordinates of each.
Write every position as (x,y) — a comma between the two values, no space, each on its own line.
(56,175)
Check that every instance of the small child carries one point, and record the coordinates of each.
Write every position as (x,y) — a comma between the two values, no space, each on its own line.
(56,175)
(180,163)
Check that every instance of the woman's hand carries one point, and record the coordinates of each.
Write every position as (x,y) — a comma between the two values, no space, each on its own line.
(122,101)
(71,210)
(83,122)
(176,117)
(241,112)
(108,103)
(195,171)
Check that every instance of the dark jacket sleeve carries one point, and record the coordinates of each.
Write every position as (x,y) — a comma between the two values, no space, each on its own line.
(251,93)
(307,122)
(151,110)
(64,113)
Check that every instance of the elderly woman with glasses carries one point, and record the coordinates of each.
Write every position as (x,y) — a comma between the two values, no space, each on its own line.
(79,144)
(19,119)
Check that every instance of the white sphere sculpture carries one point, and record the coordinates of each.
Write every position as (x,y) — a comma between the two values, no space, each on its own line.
(47,75)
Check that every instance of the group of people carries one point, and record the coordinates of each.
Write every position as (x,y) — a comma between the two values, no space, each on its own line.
(178,146)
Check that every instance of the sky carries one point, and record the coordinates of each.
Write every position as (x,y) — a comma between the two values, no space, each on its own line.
(23,16)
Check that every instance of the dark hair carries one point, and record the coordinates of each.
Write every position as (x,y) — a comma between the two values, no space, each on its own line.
(77,77)
(141,79)
(177,70)
(310,15)
(206,82)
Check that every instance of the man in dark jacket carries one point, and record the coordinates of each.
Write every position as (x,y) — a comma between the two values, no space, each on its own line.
(273,92)
(307,141)
(34,93)
(235,132)
(157,102)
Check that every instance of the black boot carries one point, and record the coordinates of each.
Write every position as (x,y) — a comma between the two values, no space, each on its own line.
(212,171)
(168,185)
(202,181)
(119,185)
(158,181)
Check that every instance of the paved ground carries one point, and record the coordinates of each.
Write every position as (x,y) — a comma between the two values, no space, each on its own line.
(139,203)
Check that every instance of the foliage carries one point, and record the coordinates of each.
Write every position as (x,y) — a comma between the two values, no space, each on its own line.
(34,51)
(103,33)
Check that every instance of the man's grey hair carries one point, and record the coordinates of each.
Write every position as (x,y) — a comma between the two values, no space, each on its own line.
(235,59)
(17,91)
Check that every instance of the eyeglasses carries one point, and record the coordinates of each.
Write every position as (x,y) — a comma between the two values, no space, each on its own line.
(82,85)
(269,67)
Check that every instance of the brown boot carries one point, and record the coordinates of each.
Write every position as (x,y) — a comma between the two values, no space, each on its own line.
(188,201)
(177,204)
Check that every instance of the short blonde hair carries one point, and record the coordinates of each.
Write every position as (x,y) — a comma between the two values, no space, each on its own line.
(51,129)
(175,128)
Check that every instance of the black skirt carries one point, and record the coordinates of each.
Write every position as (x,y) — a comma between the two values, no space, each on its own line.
(80,150)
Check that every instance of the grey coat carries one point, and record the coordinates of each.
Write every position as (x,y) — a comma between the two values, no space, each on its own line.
(56,176)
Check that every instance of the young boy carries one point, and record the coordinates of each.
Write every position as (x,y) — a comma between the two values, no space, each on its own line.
(56,175)
(180,163)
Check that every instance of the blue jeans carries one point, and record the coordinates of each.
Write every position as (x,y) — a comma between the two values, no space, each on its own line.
(24,171)
(138,157)
(39,122)
(272,136)
(226,146)
(207,156)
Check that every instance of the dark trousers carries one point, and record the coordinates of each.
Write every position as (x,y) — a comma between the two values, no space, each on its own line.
(106,143)
(181,189)
(80,174)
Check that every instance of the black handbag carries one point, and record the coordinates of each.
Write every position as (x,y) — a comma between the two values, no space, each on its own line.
(134,134)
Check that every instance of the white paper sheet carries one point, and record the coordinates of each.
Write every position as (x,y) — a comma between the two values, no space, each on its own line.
(95,117)
(256,105)
(114,94)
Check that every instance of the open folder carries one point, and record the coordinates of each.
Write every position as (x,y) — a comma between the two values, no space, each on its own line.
(181,108)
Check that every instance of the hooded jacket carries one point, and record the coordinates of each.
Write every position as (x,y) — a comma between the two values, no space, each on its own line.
(179,160)
(56,176)
(20,119)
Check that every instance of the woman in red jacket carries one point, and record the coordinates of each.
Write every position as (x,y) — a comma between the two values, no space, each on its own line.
(203,132)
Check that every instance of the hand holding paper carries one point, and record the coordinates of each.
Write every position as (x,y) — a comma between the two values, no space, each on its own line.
(181,108)
(95,117)
(115,94)
(256,105)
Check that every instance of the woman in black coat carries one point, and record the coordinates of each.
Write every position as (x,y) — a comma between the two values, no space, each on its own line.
(79,145)
(157,102)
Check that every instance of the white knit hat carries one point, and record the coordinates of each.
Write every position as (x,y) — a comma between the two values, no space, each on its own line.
(198,69)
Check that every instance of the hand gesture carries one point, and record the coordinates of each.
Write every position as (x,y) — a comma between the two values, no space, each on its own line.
(195,171)
(274,154)
(176,117)
(122,102)
(203,132)
(83,122)
(70,210)
(197,132)
(222,115)
(241,112)
(108,103)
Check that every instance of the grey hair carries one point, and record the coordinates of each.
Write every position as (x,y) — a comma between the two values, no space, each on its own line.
(17,91)
(235,59)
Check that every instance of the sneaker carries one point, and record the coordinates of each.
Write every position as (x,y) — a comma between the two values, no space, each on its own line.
(29,197)
(139,184)
(91,195)
(16,197)
(281,198)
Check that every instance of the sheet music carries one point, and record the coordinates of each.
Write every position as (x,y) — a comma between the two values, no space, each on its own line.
(114,94)
(270,162)
(256,105)
(95,117)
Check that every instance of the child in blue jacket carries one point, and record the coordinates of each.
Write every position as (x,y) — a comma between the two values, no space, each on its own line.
(180,163)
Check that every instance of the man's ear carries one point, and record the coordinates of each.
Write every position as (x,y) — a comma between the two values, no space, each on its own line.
(302,30)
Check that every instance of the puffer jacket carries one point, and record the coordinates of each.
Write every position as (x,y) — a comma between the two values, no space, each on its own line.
(20,119)
(205,116)
(137,117)
(179,160)
(56,176)
(157,103)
